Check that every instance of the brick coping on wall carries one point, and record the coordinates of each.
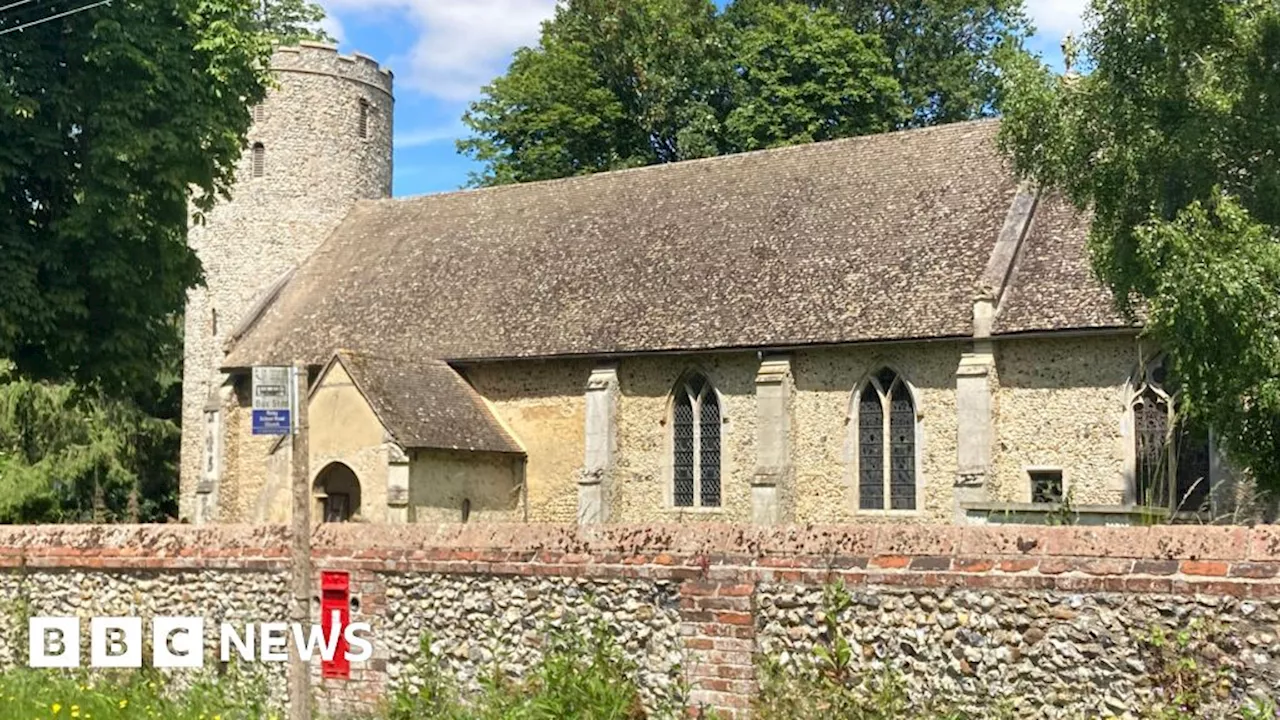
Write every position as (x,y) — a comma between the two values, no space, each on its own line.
(1237,561)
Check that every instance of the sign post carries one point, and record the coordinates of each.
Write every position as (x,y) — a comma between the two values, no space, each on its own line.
(280,408)
(274,400)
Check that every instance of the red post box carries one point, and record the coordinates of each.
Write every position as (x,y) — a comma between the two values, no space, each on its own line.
(335,609)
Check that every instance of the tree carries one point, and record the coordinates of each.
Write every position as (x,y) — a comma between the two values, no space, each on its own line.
(72,455)
(107,120)
(290,21)
(613,84)
(114,122)
(1172,142)
(946,54)
(830,82)
(621,83)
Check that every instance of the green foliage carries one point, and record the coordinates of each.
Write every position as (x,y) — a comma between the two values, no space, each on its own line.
(831,82)
(613,84)
(579,677)
(53,695)
(1172,141)
(291,21)
(1191,672)
(829,685)
(114,122)
(623,83)
(72,455)
(946,54)
(114,125)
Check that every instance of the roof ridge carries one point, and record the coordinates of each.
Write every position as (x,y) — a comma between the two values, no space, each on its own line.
(669,167)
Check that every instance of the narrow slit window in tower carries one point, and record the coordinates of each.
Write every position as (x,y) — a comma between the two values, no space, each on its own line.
(363,127)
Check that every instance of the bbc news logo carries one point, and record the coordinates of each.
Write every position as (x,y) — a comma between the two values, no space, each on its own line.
(179,642)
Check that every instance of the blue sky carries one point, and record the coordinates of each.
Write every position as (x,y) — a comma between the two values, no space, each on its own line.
(443,51)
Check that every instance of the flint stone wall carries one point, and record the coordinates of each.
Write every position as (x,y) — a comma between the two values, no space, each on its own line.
(1045,619)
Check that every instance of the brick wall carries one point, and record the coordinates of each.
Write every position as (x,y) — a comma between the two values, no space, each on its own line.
(1045,616)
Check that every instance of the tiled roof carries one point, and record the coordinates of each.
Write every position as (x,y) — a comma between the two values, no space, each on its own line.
(427,405)
(1052,286)
(872,238)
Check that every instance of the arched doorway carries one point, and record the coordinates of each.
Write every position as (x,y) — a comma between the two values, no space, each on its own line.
(337,493)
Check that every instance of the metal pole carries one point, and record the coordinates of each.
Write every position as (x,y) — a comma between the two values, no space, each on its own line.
(300,546)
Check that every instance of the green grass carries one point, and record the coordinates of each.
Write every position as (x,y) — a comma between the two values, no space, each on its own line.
(72,695)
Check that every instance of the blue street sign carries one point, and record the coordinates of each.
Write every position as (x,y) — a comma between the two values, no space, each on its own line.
(271,422)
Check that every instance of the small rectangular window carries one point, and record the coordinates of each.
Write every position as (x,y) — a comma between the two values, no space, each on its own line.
(1046,486)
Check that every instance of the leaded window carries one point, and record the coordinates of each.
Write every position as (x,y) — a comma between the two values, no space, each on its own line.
(695,432)
(1172,453)
(886,444)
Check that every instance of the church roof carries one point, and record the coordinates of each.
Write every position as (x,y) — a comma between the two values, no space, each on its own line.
(866,239)
(1052,286)
(426,404)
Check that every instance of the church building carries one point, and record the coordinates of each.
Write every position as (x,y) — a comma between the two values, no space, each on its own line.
(884,328)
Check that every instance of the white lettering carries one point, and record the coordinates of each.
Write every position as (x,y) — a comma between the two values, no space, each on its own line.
(274,642)
(354,640)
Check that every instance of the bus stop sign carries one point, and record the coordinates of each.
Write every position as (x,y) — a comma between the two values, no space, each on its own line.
(273,400)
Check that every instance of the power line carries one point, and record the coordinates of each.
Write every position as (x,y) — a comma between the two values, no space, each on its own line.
(16,4)
(82,8)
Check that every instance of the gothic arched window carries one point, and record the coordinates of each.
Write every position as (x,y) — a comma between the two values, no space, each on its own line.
(695,432)
(259,159)
(886,444)
(1171,453)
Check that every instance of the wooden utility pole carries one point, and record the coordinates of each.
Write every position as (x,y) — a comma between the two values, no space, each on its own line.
(300,547)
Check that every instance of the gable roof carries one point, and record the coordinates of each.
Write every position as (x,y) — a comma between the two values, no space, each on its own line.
(426,405)
(873,238)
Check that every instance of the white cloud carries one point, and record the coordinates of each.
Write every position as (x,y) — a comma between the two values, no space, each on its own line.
(461,45)
(1055,18)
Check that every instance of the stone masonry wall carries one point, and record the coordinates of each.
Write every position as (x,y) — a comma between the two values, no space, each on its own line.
(1046,620)
(316,166)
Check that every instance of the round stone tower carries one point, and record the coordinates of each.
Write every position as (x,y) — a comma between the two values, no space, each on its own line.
(320,142)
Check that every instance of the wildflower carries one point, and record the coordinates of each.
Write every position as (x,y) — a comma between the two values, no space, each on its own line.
(56,708)
(123,702)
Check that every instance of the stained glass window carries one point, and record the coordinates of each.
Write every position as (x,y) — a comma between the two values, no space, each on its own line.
(871,450)
(1172,453)
(696,443)
(902,450)
(886,445)
(683,434)
(709,450)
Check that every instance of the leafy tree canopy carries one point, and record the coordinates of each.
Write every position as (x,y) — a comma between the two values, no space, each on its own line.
(113,123)
(290,21)
(621,83)
(613,84)
(946,54)
(1172,141)
(830,82)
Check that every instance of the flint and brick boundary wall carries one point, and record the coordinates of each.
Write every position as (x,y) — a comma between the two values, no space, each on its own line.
(1045,619)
